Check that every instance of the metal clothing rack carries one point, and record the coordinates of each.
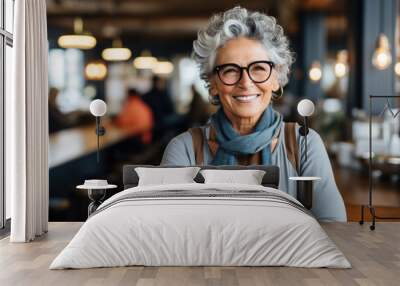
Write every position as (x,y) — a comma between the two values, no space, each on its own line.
(370,205)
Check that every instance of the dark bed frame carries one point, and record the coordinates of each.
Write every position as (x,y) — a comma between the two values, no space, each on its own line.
(270,179)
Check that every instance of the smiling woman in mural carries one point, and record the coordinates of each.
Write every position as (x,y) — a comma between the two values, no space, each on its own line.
(244,58)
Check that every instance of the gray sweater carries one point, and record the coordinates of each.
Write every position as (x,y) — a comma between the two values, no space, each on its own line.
(327,202)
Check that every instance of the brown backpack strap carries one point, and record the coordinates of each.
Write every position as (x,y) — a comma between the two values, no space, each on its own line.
(292,149)
(197,138)
(212,141)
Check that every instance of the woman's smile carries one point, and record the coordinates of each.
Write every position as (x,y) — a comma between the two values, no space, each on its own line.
(249,98)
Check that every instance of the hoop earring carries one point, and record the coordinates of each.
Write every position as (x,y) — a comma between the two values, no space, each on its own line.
(276,96)
(214,99)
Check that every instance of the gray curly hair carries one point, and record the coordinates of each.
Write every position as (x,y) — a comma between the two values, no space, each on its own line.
(238,22)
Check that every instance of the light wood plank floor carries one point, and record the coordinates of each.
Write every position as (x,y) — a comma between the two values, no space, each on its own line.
(374,255)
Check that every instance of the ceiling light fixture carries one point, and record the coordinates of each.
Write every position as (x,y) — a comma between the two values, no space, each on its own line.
(315,72)
(382,58)
(117,52)
(95,70)
(145,61)
(163,68)
(341,66)
(79,40)
(397,68)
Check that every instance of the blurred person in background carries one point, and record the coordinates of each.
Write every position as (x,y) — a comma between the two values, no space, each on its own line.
(161,105)
(136,117)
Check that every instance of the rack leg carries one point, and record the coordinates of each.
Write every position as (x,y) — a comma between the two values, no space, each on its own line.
(372,210)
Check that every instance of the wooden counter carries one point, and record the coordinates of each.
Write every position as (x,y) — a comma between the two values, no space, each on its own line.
(70,144)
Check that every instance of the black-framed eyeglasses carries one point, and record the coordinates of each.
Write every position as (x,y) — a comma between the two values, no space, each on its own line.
(231,74)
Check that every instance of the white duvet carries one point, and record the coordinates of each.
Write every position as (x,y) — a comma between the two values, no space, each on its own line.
(183,231)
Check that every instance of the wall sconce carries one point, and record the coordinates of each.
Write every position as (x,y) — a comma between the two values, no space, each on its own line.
(382,57)
(98,108)
(315,72)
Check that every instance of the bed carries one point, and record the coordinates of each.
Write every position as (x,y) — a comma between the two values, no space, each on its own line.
(201,224)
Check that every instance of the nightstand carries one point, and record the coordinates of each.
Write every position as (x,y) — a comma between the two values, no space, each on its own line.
(305,189)
(96,192)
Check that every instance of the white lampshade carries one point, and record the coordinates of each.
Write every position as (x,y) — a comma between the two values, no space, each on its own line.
(305,107)
(98,107)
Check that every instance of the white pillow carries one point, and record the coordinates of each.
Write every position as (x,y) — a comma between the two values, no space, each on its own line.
(165,176)
(248,177)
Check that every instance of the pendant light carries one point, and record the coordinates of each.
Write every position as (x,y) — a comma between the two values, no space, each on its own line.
(382,58)
(163,68)
(315,72)
(95,70)
(397,68)
(117,52)
(78,40)
(341,66)
(145,61)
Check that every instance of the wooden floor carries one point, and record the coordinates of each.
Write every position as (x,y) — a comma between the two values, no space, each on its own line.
(353,185)
(374,255)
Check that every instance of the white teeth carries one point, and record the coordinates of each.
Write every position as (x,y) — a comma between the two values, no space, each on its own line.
(245,98)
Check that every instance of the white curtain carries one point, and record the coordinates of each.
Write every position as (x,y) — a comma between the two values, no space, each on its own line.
(27,123)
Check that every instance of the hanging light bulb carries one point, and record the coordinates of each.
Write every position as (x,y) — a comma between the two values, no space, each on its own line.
(78,40)
(382,57)
(117,52)
(315,72)
(340,69)
(341,66)
(397,68)
(145,61)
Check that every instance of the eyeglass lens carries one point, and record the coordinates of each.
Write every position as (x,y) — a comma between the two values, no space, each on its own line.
(258,72)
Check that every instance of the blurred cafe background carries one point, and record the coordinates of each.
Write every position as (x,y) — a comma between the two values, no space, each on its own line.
(135,55)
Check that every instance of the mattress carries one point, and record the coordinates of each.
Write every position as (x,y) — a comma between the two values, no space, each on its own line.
(201,225)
